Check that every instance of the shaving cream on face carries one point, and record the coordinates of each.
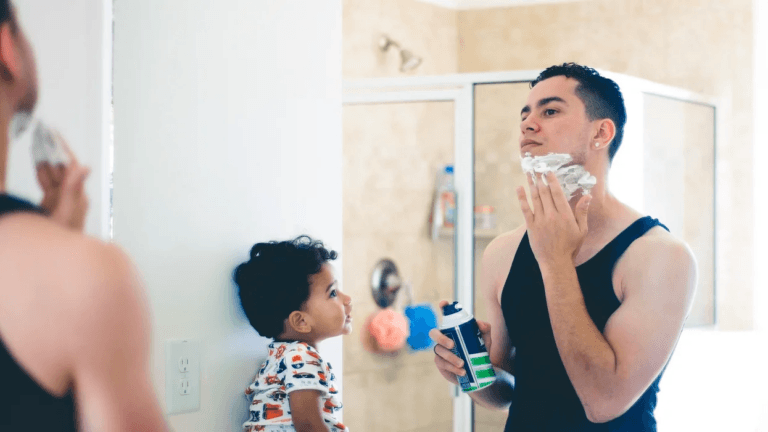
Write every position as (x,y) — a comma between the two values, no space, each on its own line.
(19,123)
(571,178)
(46,146)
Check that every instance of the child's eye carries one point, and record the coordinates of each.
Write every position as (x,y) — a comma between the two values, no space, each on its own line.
(333,293)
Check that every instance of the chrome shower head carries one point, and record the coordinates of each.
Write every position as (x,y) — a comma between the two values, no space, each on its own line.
(408,61)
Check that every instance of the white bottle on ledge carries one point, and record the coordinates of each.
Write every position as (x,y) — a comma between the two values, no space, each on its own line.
(444,211)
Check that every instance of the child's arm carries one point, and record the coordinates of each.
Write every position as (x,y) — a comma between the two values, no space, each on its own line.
(306,412)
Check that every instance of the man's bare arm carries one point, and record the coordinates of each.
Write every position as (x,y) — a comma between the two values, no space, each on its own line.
(497,260)
(110,347)
(610,371)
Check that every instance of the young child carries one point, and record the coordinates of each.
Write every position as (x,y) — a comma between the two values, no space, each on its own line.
(289,293)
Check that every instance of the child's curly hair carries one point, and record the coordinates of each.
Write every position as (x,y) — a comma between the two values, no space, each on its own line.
(275,281)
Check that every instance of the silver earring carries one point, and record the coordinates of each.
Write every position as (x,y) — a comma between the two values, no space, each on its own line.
(597,144)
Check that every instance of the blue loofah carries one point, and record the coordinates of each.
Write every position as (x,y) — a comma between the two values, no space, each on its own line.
(422,319)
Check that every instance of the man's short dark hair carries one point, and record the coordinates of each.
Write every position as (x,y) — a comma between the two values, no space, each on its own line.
(5,11)
(601,96)
(275,281)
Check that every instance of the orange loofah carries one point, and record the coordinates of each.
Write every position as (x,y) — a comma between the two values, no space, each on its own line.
(389,330)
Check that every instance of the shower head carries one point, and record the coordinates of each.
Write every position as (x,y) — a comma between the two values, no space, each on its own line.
(408,61)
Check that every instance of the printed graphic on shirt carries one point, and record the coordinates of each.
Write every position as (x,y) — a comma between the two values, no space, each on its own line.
(290,366)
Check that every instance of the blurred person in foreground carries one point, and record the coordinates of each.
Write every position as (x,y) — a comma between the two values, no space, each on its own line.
(74,322)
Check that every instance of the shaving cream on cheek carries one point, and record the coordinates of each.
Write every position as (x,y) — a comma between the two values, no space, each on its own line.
(47,147)
(571,178)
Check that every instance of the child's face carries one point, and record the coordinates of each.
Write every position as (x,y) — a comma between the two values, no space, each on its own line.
(329,307)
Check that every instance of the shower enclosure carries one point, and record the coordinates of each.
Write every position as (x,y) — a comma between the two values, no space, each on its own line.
(664,168)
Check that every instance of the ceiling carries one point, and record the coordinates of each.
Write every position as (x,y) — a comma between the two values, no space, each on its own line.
(484,4)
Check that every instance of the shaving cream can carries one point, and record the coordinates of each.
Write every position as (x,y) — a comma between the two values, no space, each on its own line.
(468,345)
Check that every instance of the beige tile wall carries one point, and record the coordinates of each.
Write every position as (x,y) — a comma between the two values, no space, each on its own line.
(701,45)
(391,155)
(428,31)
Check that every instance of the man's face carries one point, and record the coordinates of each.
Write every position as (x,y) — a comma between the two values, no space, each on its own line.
(28,78)
(554,120)
(25,76)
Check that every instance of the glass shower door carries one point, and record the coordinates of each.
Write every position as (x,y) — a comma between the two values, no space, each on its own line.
(497,175)
(679,177)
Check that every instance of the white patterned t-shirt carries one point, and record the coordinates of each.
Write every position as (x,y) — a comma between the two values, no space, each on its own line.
(290,366)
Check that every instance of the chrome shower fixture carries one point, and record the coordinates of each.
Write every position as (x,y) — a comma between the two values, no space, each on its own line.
(408,61)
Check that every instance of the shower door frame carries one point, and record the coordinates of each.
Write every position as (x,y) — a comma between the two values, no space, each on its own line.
(460,89)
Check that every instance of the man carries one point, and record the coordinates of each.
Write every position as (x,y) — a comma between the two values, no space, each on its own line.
(74,329)
(586,301)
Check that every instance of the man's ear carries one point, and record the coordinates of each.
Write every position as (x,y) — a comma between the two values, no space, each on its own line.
(606,132)
(10,64)
(300,322)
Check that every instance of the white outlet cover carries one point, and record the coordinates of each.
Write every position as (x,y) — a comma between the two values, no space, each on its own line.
(176,401)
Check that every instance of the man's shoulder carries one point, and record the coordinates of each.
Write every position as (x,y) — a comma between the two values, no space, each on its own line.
(500,252)
(659,244)
(22,231)
(658,253)
(508,239)
(62,261)
(86,284)
(504,245)
(37,236)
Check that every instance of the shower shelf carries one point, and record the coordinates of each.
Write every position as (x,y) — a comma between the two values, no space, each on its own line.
(479,233)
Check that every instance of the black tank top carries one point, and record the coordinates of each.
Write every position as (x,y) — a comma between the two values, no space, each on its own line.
(24,405)
(544,399)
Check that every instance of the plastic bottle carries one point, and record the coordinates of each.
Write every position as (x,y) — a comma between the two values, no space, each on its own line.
(447,197)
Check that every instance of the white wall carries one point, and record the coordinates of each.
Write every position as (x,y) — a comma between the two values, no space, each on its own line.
(714,382)
(72,43)
(227,132)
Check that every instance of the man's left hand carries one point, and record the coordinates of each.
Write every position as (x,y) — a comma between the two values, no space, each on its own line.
(555,231)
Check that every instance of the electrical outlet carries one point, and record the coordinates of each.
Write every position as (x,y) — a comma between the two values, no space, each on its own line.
(183,364)
(184,386)
(182,376)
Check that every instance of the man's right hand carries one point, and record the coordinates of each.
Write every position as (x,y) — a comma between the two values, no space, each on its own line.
(448,363)
(63,187)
